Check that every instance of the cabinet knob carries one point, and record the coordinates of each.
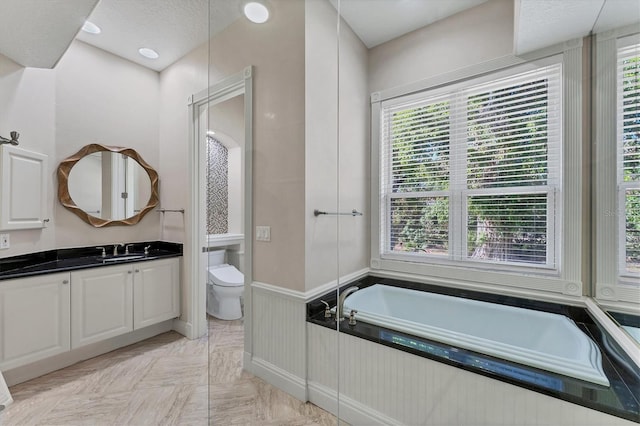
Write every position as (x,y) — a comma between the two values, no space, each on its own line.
(137,270)
(65,281)
(129,272)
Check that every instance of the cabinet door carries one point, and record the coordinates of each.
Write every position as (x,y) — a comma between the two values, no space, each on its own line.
(23,185)
(101,304)
(156,292)
(34,319)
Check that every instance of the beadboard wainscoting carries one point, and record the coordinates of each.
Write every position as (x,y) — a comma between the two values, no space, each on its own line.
(381,385)
(278,338)
(277,351)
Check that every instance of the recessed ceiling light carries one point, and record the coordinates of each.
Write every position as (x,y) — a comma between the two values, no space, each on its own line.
(148,53)
(256,12)
(91,28)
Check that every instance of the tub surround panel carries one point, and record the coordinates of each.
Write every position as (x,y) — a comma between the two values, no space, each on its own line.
(618,399)
(411,390)
(69,259)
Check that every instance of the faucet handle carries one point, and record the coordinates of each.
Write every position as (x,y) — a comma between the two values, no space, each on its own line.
(327,309)
(352,317)
(104,251)
(146,250)
(115,248)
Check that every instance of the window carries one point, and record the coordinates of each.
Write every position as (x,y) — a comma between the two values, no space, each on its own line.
(628,144)
(470,174)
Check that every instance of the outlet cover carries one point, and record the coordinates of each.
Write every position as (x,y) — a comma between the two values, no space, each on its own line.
(5,243)
(263,233)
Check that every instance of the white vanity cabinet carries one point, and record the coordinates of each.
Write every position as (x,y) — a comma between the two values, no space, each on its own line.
(34,319)
(110,301)
(156,292)
(101,304)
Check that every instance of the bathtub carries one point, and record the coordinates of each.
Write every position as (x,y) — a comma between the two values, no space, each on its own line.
(538,339)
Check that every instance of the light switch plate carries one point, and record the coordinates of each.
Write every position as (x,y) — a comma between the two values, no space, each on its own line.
(263,233)
(5,243)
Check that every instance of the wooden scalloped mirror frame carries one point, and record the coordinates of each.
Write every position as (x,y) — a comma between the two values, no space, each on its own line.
(63,185)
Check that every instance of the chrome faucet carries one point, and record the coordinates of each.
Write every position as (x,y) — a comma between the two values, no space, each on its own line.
(343,295)
(126,248)
(115,248)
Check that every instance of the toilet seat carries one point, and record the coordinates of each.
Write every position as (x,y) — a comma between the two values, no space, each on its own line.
(226,276)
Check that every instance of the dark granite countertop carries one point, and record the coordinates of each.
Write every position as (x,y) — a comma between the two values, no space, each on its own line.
(71,259)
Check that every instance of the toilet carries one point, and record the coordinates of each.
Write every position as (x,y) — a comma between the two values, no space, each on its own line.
(225,285)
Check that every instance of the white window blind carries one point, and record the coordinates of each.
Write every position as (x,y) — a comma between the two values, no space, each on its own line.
(628,137)
(471,173)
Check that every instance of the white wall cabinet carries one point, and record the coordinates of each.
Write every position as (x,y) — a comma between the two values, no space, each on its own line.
(23,188)
(34,319)
(114,300)
(101,304)
(156,292)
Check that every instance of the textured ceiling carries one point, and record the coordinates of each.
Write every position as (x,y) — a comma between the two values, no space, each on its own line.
(36,33)
(541,23)
(378,21)
(618,13)
(170,27)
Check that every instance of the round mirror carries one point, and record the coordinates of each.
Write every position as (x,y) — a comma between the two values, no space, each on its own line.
(107,185)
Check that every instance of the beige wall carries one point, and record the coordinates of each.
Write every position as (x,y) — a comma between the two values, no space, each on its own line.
(90,97)
(28,106)
(332,185)
(470,37)
(101,98)
(276,50)
(178,82)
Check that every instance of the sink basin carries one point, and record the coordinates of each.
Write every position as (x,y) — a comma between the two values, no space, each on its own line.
(122,258)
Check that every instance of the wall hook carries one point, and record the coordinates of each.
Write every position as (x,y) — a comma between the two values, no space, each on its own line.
(14,138)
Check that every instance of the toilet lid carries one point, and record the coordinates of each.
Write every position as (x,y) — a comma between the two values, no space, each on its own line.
(226,276)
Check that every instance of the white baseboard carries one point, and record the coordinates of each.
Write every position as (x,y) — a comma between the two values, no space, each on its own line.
(56,362)
(293,385)
(350,410)
(183,327)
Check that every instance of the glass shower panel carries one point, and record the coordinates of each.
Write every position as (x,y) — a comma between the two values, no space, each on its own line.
(258,118)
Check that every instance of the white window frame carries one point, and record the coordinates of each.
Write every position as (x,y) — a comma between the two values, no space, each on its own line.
(614,286)
(458,193)
(624,276)
(560,283)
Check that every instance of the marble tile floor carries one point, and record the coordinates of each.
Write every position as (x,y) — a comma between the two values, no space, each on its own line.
(161,381)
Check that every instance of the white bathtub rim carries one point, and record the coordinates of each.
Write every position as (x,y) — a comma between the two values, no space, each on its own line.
(588,368)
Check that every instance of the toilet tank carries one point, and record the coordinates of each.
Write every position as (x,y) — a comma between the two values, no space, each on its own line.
(216,257)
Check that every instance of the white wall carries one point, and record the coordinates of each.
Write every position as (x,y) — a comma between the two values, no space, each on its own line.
(101,98)
(336,165)
(28,107)
(470,37)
